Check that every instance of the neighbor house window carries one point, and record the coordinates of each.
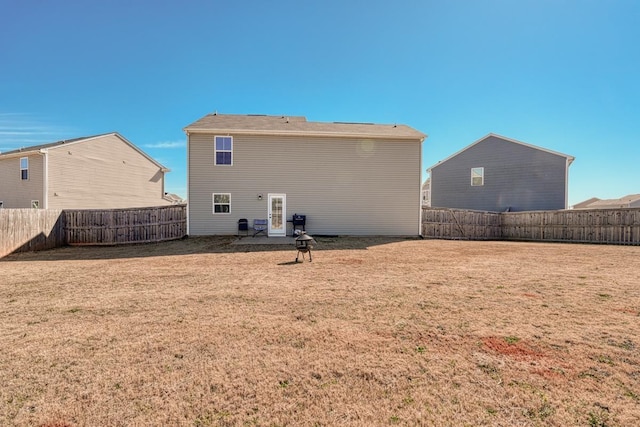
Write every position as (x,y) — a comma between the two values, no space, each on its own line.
(1,204)
(477,176)
(35,204)
(221,203)
(24,167)
(224,150)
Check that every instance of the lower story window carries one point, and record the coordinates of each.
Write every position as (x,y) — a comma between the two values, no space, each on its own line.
(221,203)
(35,204)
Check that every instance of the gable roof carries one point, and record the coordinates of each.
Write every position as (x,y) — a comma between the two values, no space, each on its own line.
(297,125)
(35,149)
(568,157)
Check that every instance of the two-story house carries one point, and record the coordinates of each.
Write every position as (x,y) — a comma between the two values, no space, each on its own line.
(346,178)
(95,172)
(501,174)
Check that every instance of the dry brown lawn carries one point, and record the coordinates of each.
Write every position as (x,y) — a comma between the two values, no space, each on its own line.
(374,331)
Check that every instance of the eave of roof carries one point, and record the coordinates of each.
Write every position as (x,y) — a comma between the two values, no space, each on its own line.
(569,158)
(297,126)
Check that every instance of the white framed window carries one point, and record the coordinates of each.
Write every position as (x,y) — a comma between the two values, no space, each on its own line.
(477,176)
(24,168)
(1,204)
(223,150)
(35,204)
(221,203)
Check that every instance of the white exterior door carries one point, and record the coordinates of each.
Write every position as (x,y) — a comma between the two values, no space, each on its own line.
(277,215)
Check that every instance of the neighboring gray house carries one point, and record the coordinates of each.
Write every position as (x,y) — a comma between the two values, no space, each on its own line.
(95,172)
(629,201)
(501,174)
(347,178)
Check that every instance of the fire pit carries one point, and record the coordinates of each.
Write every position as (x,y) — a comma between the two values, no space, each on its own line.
(304,244)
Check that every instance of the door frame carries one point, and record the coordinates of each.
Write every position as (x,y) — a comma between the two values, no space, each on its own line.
(282,231)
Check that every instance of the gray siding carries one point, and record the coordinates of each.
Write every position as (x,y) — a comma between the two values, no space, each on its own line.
(18,193)
(103,173)
(516,177)
(344,186)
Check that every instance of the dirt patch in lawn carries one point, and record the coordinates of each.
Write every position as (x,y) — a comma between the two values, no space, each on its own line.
(374,331)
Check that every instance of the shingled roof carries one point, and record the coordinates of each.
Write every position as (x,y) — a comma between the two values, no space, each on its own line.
(297,125)
(48,145)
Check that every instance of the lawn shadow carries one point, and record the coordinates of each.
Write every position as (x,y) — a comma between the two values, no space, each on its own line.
(194,245)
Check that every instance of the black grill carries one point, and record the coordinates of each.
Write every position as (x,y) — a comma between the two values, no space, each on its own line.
(299,222)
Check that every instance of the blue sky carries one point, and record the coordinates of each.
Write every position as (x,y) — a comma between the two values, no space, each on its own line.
(561,74)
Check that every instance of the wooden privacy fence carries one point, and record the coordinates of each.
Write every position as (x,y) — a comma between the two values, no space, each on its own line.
(460,224)
(24,230)
(612,226)
(120,226)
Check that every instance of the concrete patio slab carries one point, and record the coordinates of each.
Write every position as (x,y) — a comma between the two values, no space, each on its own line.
(264,240)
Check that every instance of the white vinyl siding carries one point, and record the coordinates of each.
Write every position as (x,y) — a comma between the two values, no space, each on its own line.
(345,186)
(103,173)
(15,192)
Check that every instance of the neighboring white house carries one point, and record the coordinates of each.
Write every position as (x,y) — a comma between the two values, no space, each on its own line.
(346,178)
(95,172)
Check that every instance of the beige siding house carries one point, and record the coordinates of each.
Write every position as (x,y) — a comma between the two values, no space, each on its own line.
(96,172)
(347,178)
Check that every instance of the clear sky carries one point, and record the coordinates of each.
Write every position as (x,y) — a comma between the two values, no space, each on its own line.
(560,74)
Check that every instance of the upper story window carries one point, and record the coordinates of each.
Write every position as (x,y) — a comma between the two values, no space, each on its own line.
(477,176)
(24,168)
(224,150)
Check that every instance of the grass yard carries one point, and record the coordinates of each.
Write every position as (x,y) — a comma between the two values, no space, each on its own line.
(373,332)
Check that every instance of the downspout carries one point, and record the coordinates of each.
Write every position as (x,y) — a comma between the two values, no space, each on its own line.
(420,187)
(188,172)
(566,183)
(45,178)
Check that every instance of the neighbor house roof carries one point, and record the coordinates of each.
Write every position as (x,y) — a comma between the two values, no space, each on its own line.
(35,149)
(595,203)
(568,157)
(297,125)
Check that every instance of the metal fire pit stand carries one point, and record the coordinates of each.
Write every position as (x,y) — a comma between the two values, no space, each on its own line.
(304,244)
